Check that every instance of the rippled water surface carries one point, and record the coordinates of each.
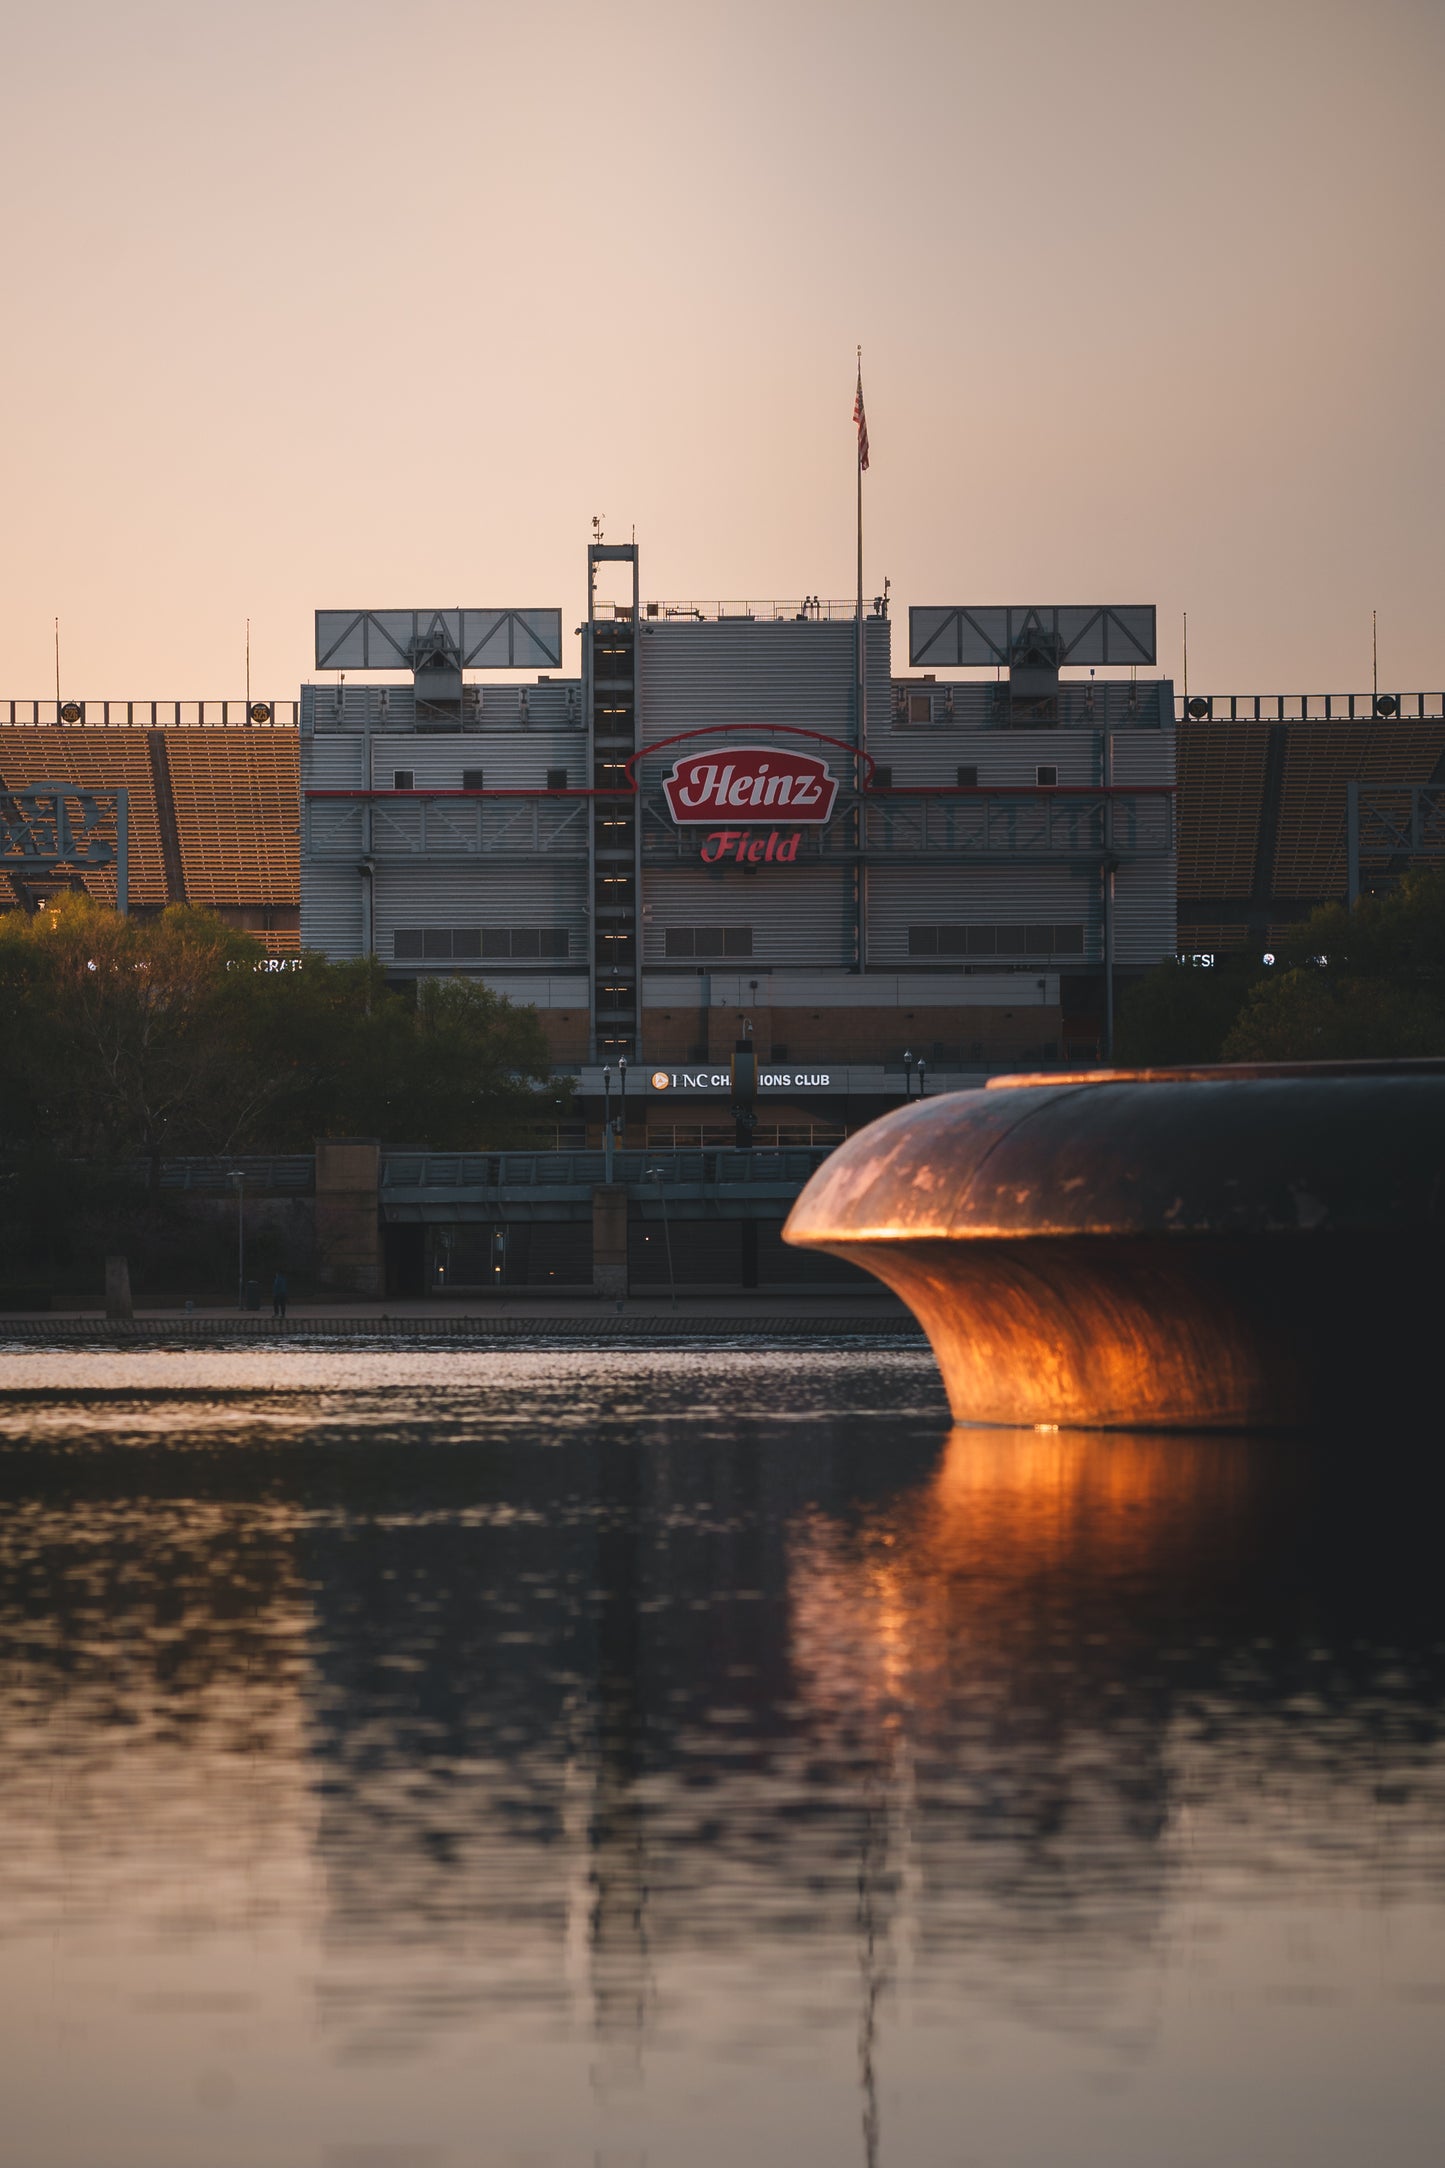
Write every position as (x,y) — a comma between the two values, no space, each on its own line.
(683,1758)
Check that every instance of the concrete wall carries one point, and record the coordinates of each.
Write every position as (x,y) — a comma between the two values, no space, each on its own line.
(348,1215)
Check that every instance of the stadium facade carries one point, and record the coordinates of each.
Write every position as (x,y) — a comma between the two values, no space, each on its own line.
(739,827)
(748,824)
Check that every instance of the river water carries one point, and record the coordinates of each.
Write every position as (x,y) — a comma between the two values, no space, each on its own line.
(684,1758)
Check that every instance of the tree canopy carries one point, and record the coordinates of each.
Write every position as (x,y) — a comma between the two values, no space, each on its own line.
(170,1035)
(1367,984)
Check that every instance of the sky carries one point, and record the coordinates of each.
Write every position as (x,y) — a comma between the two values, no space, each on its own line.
(333,303)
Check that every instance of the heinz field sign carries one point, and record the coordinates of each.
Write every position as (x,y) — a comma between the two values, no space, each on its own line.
(750,783)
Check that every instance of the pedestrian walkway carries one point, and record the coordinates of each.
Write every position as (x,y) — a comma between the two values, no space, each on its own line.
(710,1317)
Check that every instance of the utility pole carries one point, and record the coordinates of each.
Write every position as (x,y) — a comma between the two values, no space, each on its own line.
(238,1176)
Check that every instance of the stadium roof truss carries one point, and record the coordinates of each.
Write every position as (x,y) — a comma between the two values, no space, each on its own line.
(965,637)
(468,639)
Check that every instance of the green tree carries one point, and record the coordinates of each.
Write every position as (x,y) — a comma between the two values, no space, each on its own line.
(1182,1011)
(1353,985)
(125,1036)
(455,1066)
(128,1037)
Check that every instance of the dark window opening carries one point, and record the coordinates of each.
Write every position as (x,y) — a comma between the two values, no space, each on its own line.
(476,944)
(882,778)
(920,707)
(1048,776)
(689,941)
(556,779)
(1011,941)
(968,777)
(474,779)
(403,779)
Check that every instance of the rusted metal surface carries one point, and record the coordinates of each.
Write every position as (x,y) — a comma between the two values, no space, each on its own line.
(1208,1247)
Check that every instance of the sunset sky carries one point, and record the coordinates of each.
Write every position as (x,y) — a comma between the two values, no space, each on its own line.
(330,302)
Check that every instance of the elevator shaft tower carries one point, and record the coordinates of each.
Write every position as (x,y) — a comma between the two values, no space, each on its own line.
(609,679)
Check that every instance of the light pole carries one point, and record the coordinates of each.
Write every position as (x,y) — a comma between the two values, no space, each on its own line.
(607,1124)
(656,1175)
(238,1176)
(908,1072)
(922,1073)
(622,1099)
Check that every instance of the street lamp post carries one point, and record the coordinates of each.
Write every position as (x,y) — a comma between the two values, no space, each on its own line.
(607,1124)
(908,1072)
(656,1175)
(622,1099)
(238,1176)
(922,1073)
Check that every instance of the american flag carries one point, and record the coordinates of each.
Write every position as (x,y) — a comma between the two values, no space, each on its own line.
(862,420)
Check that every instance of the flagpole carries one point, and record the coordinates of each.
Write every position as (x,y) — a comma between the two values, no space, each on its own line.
(858,455)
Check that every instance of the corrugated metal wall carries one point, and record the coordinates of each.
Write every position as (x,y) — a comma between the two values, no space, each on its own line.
(798,914)
(539,894)
(331,908)
(555,705)
(1003,758)
(900,897)
(801,674)
(509,760)
(1145,927)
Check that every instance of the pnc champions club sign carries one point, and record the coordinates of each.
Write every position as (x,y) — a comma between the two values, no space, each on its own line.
(734,792)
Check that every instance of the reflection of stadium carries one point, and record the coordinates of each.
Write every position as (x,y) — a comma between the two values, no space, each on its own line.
(667,1725)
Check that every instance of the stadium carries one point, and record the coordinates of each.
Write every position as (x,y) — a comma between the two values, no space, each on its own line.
(745,831)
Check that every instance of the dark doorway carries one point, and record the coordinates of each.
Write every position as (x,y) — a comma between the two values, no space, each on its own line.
(405,1249)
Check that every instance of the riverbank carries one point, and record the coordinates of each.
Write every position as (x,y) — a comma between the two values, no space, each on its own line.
(565,1321)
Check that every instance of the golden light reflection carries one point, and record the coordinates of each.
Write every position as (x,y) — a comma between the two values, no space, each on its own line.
(961,1576)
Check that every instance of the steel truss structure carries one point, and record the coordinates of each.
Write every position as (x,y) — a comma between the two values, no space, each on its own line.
(1078,824)
(51,828)
(1390,826)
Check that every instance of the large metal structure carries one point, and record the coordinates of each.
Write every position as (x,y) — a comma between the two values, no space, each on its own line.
(54,828)
(412,639)
(963,636)
(1389,828)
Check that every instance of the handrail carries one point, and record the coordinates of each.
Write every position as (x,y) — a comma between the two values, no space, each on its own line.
(1309,708)
(805,609)
(150,715)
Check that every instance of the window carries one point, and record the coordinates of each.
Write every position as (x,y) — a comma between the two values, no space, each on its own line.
(968,777)
(920,707)
(1048,776)
(473,944)
(556,779)
(474,779)
(403,779)
(705,941)
(1010,941)
(882,779)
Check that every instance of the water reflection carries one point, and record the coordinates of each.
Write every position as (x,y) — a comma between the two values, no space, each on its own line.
(689,1754)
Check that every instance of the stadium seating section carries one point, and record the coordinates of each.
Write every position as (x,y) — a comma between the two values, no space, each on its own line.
(97,760)
(235,797)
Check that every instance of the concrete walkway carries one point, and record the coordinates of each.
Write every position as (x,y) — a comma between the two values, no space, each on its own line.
(756,1315)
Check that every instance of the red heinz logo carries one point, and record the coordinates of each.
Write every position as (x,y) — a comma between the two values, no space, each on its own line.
(750,783)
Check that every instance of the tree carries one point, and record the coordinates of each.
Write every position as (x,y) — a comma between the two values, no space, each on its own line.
(1309,1014)
(457,1066)
(1182,1011)
(124,1038)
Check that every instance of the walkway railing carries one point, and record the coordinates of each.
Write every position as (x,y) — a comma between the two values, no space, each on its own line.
(149,714)
(1310,707)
